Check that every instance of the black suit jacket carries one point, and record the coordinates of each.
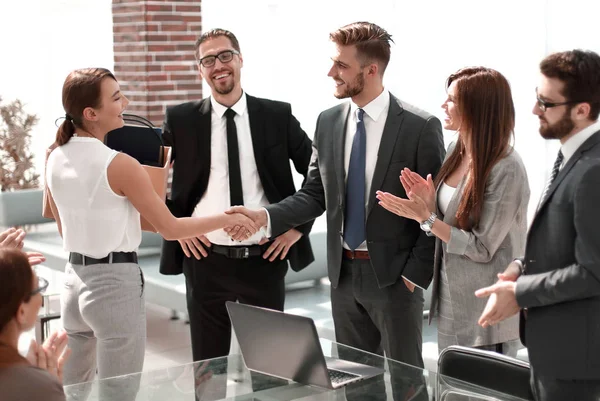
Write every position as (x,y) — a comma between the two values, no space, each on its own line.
(561,285)
(411,138)
(277,138)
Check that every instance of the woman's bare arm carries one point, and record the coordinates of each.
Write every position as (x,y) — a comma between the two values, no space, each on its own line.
(54,212)
(127,177)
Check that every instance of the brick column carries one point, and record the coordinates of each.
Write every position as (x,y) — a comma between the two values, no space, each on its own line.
(154,53)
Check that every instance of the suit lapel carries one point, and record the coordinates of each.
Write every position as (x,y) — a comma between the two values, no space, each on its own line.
(391,132)
(256,118)
(257,129)
(339,125)
(203,131)
(590,143)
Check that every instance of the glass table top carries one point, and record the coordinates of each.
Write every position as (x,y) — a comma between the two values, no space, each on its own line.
(228,378)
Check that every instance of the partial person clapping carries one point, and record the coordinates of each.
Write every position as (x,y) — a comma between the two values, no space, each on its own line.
(39,376)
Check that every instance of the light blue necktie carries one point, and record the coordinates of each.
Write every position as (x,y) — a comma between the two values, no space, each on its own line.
(354,224)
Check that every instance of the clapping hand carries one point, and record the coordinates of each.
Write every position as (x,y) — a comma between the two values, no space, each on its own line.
(421,197)
(423,188)
(12,238)
(50,356)
(413,208)
(501,305)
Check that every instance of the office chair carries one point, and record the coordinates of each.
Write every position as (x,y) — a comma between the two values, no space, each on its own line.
(486,369)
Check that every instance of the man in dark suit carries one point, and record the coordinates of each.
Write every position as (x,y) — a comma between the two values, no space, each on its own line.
(231,149)
(557,284)
(378,263)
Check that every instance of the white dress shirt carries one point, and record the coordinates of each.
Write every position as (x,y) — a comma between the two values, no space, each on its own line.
(216,197)
(570,147)
(375,117)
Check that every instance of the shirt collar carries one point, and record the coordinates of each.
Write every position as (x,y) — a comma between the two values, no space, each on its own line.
(375,107)
(569,148)
(239,108)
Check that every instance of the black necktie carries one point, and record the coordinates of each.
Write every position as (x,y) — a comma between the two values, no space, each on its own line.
(236,195)
(555,169)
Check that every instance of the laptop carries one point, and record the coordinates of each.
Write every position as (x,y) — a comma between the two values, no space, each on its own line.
(287,346)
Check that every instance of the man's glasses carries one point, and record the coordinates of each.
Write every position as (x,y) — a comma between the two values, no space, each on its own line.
(543,105)
(224,57)
(42,286)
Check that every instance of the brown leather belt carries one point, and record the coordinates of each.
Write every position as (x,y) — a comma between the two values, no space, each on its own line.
(351,255)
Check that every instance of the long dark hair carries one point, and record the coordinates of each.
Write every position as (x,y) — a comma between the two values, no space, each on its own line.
(485,104)
(16,283)
(80,90)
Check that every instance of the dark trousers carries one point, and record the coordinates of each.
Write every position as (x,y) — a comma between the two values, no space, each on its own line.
(379,320)
(212,281)
(552,389)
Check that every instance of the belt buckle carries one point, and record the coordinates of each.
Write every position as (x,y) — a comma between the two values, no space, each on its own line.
(239,253)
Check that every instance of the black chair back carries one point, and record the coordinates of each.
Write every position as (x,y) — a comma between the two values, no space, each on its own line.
(487,369)
(139,139)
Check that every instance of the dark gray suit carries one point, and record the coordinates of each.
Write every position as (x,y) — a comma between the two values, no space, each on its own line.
(372,308)
(561,285)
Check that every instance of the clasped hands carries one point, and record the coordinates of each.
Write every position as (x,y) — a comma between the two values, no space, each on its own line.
(244,223)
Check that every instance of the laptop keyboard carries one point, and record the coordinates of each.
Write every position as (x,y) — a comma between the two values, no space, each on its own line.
(338,377)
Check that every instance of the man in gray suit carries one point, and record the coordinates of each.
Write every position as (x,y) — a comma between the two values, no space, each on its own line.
(378,263)
(557,284)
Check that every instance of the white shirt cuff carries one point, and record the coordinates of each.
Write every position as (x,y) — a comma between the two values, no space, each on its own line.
(267,231)
(417,285)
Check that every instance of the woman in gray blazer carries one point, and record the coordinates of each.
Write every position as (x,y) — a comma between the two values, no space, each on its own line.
(477,208)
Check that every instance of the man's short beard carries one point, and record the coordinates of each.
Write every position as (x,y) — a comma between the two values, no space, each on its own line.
(559,129)
(354,88)
(226,90)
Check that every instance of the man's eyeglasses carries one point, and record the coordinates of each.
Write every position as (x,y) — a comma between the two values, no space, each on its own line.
(543,105)
(224,57)
(42,286)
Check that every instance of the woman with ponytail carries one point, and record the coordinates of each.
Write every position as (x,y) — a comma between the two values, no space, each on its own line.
(97,196)
(476,207)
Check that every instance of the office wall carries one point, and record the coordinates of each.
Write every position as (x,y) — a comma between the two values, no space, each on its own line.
(286,51)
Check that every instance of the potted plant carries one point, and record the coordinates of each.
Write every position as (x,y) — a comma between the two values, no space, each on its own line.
(20,195)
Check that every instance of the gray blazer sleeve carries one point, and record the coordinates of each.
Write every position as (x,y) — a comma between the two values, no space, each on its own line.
(505,190)
(582,279)
(306,204)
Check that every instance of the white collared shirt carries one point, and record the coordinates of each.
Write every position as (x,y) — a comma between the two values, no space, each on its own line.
(216,197)
(569,148)
(375,117)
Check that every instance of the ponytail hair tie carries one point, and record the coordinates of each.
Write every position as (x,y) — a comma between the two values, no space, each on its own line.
(68,117)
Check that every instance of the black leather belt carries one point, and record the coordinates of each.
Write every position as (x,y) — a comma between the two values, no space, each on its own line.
(240,252)
(113,257)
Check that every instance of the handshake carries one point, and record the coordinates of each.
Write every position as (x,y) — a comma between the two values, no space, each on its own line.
(242,223)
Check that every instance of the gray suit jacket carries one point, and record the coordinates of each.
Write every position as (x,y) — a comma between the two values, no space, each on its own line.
(474,258)
(411,138)
(561,285)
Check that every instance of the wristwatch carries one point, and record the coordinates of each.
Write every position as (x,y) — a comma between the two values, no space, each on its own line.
(427,224)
